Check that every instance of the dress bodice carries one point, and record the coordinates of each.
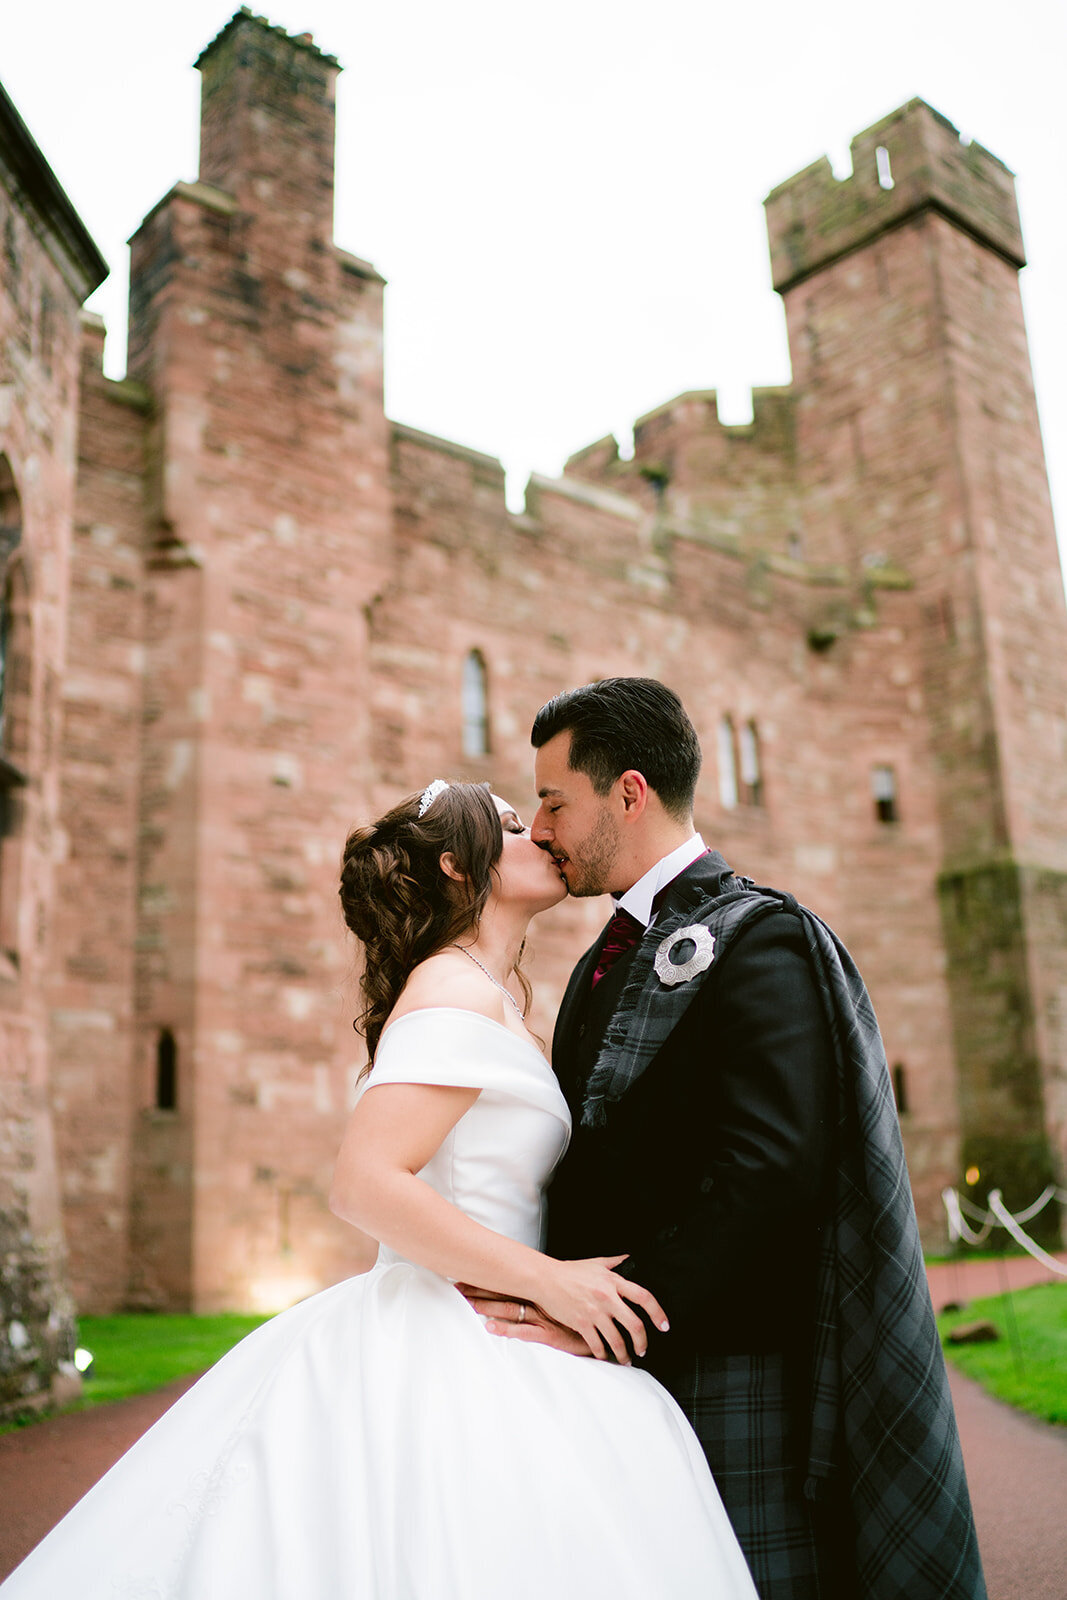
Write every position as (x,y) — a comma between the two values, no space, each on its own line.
(496,1162)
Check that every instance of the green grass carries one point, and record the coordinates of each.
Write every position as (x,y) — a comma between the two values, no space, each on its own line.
(138,1353)
(1030,1372)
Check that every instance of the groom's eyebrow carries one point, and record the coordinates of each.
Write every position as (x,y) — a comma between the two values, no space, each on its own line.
(542,794)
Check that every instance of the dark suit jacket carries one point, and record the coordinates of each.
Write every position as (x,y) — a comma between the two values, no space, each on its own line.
(714,1170)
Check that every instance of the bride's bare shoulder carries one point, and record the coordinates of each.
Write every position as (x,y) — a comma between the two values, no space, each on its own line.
(450,979)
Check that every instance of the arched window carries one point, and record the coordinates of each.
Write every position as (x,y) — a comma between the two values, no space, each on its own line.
(751,773)
(166,1072)
(727,763)
(475,705)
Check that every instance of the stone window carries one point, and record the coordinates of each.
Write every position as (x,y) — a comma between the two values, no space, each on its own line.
(475,705)
(884,793)
(14,706)
(166,1071)
(751,771)
(727,752)
(10,539)
(884,167)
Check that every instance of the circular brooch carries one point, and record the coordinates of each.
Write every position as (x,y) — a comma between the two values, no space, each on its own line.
(684,954)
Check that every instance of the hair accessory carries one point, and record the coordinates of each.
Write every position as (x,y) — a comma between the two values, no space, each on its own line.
(429,795)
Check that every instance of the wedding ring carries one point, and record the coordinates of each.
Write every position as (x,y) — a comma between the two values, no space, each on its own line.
(522,1312)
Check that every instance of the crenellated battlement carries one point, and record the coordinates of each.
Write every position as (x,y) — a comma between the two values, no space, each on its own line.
(912,160)
(697,412)
(673,426)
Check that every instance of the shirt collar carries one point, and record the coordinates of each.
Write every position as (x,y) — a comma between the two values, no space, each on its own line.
(638,899)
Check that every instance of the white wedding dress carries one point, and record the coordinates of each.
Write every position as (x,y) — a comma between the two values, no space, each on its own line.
(376,1443)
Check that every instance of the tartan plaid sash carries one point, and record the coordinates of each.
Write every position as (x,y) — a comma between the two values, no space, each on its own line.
(881,1413)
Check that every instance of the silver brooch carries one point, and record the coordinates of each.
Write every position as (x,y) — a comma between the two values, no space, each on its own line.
(429,795)
(684,954)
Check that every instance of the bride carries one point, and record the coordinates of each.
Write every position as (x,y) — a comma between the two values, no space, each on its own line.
(374,1442)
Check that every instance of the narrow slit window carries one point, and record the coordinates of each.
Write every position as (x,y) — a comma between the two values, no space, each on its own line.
(728,793)
(900,1088)
(885,170)
(166,1072)
(10,538)
(751,773)
(475,705)
(884,792)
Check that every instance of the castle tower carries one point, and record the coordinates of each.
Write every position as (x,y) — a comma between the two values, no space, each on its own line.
(259,343)
(918,445)
(48,266)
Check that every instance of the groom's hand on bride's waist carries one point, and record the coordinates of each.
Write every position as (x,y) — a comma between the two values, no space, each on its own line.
(517,1319)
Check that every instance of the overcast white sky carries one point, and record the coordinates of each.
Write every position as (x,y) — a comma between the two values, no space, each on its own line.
(566,197)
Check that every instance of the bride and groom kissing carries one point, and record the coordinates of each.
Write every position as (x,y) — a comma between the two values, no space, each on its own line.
(718,1108)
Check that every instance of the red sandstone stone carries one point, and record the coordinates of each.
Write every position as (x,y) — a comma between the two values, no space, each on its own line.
(272,593)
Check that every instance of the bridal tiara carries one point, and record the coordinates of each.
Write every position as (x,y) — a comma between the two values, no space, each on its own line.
(429,795)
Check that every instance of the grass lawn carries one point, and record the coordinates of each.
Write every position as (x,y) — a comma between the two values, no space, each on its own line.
(137,1353)
(1031,1371)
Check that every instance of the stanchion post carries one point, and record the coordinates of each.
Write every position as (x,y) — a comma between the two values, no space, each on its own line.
(1009,1316)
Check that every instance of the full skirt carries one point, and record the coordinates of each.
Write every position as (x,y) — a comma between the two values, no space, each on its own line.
(376,1443)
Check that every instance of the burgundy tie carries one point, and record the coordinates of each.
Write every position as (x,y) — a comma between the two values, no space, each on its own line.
(623,933)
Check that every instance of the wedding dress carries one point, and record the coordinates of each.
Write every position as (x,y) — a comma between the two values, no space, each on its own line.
(376,1443)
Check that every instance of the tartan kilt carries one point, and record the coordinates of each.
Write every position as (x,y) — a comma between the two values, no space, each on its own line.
(751,1432)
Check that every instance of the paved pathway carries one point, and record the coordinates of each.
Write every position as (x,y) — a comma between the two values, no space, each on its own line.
(1017,1467)
(1017,1472)
(46,1467)
(976,1280)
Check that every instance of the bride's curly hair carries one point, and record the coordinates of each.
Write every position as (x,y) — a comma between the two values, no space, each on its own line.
(401,905)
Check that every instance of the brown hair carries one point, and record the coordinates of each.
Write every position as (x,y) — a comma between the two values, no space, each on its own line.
(399,903)
(619,723)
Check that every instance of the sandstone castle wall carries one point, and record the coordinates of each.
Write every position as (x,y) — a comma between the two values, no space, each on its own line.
(277,609)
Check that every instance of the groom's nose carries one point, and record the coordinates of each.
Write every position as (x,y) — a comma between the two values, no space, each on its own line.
(540,832)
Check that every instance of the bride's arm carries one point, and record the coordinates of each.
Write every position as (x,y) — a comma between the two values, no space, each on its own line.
(392,1134)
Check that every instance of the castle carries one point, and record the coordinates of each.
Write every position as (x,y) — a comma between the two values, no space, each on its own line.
(242,608)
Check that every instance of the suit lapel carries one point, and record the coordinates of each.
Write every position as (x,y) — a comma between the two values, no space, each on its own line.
(705,876)
(573,1004)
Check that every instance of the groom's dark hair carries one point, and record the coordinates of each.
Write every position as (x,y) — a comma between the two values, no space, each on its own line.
(619,724)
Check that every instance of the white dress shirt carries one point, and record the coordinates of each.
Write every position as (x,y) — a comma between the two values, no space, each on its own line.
(638,899)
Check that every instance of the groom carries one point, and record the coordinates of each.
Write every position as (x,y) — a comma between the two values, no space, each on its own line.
(734,1131)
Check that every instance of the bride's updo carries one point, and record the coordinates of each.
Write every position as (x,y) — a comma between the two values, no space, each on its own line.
(399,903)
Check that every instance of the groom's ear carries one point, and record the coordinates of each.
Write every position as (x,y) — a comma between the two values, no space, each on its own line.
(448,866)
(634,793)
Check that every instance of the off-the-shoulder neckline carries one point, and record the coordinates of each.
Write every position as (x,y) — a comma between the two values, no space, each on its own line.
(462,1011)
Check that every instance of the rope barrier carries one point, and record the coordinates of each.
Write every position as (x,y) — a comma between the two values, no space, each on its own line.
(1006,1220)
(957,1227)
(998,1216)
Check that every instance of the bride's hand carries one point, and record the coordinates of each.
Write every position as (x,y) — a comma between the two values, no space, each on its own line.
(593,1300)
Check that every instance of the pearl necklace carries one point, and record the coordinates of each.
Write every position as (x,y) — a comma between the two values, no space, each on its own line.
(505,992)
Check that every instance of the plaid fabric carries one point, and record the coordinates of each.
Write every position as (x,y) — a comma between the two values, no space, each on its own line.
(881,1417)
(879,1375)
(739,1410)
(648,1011)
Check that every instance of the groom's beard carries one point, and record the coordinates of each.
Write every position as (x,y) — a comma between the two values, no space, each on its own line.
(590,870)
